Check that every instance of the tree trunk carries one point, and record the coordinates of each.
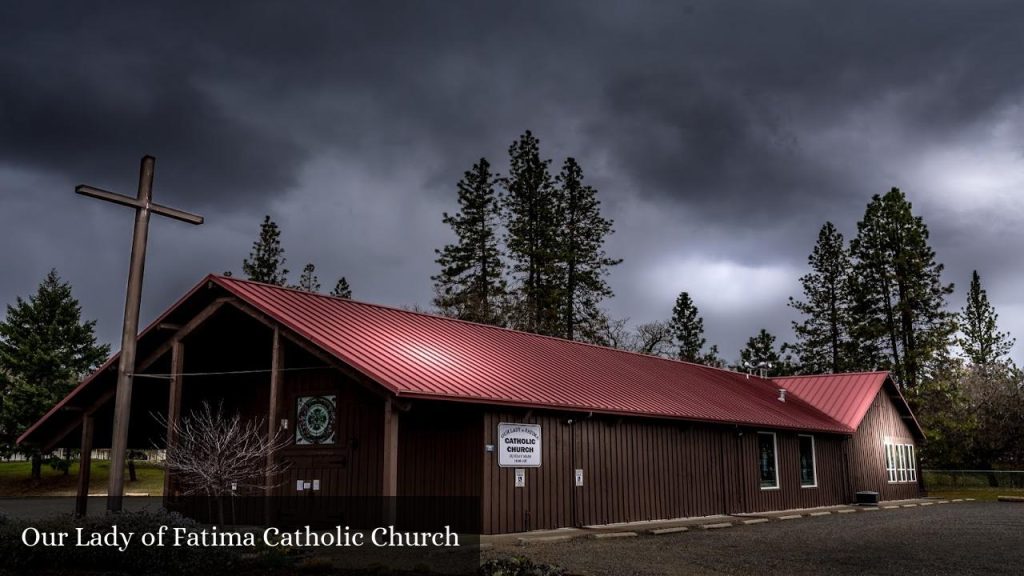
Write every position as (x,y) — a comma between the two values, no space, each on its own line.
(131,471)
(37,466)
(220,509)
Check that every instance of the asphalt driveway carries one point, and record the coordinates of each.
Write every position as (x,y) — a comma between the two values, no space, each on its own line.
(963,538)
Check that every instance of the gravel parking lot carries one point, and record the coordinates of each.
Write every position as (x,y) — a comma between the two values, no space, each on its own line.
(960,538)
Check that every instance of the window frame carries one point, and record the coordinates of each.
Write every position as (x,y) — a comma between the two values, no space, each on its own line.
(775,456)
(814,461)
(900,464)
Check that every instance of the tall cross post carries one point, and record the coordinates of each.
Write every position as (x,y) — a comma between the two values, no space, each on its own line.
(143,205)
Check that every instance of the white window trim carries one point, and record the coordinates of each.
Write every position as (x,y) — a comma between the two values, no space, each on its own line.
(775,454)
(814,460)
(900,454)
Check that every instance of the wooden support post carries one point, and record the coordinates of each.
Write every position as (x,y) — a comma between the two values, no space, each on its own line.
(390,488)
(173,406)
(273,419)
(84,465)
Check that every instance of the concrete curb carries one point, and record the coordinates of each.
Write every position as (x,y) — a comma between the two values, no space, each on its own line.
(661,531)
(1011,498)
(610,535)
(544,539)
(738,520)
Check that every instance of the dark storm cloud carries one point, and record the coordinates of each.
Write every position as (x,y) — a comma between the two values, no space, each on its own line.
(728,130)
(86,92)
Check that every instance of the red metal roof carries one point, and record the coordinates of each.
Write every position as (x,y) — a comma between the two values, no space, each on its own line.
(844,397)
(417,355)
(423,356)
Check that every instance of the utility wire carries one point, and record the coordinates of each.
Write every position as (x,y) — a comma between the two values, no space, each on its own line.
(226,372)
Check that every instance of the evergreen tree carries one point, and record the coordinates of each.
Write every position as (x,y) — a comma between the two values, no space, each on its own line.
(582,262)
(308,281)
(823,339)
(45,349)
(471,285)
(341,289)
(981,341)
(711,357)
(898,294)
(532,224)
(760,349)
(687,329)
(266,260)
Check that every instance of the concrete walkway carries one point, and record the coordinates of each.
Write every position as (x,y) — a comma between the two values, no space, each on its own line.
(677,525)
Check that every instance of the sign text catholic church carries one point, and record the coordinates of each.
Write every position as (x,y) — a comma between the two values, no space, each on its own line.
(519,445)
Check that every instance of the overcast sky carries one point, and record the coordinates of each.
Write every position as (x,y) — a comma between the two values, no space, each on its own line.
(720,135)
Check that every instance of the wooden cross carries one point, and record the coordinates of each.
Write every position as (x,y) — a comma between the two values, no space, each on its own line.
(143,205)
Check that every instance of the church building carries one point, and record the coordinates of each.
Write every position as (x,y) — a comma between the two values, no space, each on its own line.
(544,432)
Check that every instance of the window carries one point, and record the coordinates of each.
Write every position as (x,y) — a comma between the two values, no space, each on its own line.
(768,460)
(899,462)
(808,469)
(890,463)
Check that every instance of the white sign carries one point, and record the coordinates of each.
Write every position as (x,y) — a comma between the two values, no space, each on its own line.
(579,476)
(519,445)
(520,477)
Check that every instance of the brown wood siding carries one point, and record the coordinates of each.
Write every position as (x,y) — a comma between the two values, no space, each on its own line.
(868,449)
(439,450)
(831,482)
(352,466)
(642,469)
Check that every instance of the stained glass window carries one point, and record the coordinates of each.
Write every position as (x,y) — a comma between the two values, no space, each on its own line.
(315,419)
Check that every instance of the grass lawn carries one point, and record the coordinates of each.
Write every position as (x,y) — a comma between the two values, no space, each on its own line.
(983,494)
(15,480)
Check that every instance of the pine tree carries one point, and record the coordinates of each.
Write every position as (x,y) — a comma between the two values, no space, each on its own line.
(308,281)
(687,329)
(266,260)
(899,298)
(711,357)
(823,337)
(341,289)
(532,225)
(980,340)
(760,349)
(582,262)
(45,348)
(471,285)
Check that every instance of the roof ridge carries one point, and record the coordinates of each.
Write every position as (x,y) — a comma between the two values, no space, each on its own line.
(830,374)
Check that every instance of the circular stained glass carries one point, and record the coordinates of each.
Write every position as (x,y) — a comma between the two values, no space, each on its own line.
(316,420)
